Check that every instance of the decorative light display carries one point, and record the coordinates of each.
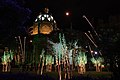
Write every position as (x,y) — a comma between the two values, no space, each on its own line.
(81,60)
(64,55)
(46,28)
(60,51)
(49,62)
(45,23)
(6,59)
(97,63)
(42,60)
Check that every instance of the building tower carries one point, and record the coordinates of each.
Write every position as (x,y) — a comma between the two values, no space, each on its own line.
(43,26)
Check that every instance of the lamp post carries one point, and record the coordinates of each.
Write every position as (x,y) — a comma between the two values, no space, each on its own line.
(68,14)
(71,65)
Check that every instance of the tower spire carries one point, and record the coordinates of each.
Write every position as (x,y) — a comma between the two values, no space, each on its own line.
(46,10)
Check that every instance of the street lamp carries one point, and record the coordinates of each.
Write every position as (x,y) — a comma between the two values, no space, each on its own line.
(67,13)
(69,18)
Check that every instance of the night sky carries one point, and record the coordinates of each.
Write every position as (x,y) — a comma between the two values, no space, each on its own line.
(77,8)
(16,16)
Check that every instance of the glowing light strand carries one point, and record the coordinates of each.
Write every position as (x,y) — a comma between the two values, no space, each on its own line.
(91,40)
(91,26)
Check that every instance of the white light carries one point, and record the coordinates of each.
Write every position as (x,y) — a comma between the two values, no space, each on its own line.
(54,21)
(49,18)
(43,18)
(35,20)
(39,16)
(30,40)
(95,52)
(67,13)
(116,65)
(45,15)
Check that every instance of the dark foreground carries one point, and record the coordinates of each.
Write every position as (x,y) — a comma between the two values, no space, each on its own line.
(54,76)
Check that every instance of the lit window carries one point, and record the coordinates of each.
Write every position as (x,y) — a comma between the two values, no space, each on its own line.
(45,15)
(35,20)
(54,21)
(49,18)
(43,18)
(39,16)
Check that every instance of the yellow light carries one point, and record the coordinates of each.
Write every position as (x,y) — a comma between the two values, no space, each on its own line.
(34,29)
(45,29)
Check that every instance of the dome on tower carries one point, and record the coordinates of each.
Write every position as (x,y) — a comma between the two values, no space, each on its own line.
(44,24)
